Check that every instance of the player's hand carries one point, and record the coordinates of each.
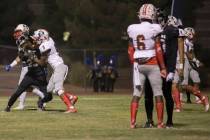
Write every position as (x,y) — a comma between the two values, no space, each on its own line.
(163,73)
(170,77)
(7,67)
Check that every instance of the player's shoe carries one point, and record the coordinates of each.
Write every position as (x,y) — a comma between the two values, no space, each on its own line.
(169,125)
(133,126)
(71,109)
(149,124)
(177,110)
(7,109)
(19,107)
(206,103)
(161,125)
(40,105)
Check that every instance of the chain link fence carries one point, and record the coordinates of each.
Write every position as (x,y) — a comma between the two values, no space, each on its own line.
(80,72)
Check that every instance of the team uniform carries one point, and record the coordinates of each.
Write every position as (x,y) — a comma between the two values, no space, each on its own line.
(60,71)
(35,76)
(145,64)
(21,33)
(169,43)
(188,71)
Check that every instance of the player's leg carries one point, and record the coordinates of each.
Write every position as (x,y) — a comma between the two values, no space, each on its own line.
(156,84)
(26,82)
(176,93)
(188,97)
(194,75)
(22,97)
(204,99)
(59,77)
(169,102)
(138,80)
(148,104)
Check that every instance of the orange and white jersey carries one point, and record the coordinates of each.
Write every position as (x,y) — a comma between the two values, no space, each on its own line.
(143,36)
(53,57)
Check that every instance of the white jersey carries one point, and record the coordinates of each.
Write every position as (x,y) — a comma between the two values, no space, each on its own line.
(188,46)
(143,35)
(53,57)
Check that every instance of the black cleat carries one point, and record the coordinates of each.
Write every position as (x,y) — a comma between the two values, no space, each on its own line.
(7,109)
(169,125)
(149,125)
(40,105)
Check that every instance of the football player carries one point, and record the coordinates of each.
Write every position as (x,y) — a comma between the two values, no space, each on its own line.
(190,63)
(146,53)
(171,41)
(46,46)
(36,74)
(21,32)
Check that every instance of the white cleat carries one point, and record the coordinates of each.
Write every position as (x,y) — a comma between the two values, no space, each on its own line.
(177,110)
(206,103)
(19,107)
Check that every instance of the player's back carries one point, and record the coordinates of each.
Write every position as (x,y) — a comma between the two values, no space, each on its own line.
(142,36)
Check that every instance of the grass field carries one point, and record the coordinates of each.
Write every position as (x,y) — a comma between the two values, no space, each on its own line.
(99,117)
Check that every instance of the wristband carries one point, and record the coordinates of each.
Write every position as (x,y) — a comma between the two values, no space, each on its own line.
(181,66)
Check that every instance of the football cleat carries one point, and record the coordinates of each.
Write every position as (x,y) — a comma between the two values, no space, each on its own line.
(206,103)
(133,126)
(71,109)
(169,126)
(149,125)
(161,125)
(19,107)
(177,110)
(7,109)
(40,105)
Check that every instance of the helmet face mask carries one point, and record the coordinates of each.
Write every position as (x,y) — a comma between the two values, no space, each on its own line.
(147,11)
(190,32)
(172,21)
(21,31)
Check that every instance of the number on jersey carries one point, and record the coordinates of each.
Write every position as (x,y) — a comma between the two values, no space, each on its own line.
(140,42)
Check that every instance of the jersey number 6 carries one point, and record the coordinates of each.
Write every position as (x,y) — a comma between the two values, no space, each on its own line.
(140,42)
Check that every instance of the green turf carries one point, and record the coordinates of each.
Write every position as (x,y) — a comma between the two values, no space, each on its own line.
(99,117)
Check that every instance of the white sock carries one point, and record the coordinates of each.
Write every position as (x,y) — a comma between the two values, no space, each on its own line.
(22,99)
(38,92)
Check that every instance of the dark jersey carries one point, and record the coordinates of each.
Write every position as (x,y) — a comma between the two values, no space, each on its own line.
(27,54)
(170,36)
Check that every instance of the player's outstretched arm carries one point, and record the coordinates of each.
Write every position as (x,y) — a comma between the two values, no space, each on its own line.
(13,64)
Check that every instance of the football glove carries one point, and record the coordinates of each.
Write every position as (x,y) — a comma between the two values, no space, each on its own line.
(7,67)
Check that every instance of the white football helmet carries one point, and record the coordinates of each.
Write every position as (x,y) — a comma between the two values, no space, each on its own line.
(41,35)
(21,30)
(190,32)
(147,11)
(172,21)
